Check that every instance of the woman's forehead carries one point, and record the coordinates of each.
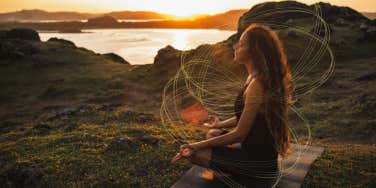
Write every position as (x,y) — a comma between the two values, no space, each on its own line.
(242,37)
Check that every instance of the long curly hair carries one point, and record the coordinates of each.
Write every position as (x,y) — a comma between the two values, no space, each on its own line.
(269,59)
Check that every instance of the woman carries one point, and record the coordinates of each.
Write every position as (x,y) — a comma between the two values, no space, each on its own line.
(261,131)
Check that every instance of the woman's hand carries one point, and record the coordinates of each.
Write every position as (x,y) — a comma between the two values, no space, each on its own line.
(186,150)
(213,122)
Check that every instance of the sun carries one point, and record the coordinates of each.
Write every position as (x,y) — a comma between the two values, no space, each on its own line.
(179,12)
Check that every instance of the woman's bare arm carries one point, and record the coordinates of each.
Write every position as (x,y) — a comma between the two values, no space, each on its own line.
(230,122)
(251,107)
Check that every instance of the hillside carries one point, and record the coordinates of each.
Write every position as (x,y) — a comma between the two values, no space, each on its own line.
(135,15)
(40,15)
(71,21)
(72,117)
(35,15)
(370,15)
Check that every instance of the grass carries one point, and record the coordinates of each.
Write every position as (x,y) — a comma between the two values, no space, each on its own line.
(343,165)
(79,156)
(53,150)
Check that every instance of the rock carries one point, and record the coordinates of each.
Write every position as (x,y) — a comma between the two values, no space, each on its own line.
(103,21)
(16,48)
(363,27)
(67,111)
(149,139)
(116,58)
(340,22)
(64,112)
(23,34)
(87,108)
(167,55)
(62,41)
(330,13)
(119,143)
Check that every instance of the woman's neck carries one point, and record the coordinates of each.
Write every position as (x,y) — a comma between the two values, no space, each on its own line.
(250,76)
(251,71)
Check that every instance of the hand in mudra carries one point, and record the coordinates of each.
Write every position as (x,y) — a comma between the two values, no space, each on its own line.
(213,122)
(185,151)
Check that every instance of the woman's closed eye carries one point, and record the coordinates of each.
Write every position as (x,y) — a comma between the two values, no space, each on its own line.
(237,44)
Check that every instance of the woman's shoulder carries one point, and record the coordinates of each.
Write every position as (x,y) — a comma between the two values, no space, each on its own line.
(254,88)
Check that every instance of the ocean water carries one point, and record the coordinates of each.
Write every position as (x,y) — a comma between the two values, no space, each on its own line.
(140,46)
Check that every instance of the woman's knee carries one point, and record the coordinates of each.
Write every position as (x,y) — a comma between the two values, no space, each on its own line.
(213,133)
(201,157)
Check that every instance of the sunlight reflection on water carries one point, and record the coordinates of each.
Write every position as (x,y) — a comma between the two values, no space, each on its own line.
(139,46)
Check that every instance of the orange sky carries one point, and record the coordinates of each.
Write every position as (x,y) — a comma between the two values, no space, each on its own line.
(175,7)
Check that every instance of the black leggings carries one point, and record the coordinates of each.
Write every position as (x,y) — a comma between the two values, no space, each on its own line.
(224,160)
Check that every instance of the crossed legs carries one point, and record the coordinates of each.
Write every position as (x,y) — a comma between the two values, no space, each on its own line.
(202,157)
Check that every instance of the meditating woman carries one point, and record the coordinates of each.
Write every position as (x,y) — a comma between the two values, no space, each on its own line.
(261,131)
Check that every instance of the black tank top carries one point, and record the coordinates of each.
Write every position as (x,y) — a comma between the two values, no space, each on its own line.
(259,142)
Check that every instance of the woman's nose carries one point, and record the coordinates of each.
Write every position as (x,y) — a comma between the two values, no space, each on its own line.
(234,46)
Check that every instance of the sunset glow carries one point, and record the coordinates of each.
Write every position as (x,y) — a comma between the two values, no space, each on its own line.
(194,114)
(180,8)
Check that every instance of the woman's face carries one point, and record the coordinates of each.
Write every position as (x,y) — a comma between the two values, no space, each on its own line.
(241,52)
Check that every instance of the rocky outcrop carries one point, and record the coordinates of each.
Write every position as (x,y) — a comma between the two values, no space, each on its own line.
(115,58)
(26,43)
(102,21)
(149,139)
(332,13)
(279,12)
(62,41)
(20,33)
(18,43)
(167,55)
(282,12)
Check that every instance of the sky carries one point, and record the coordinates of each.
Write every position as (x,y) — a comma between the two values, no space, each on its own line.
(174,7)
